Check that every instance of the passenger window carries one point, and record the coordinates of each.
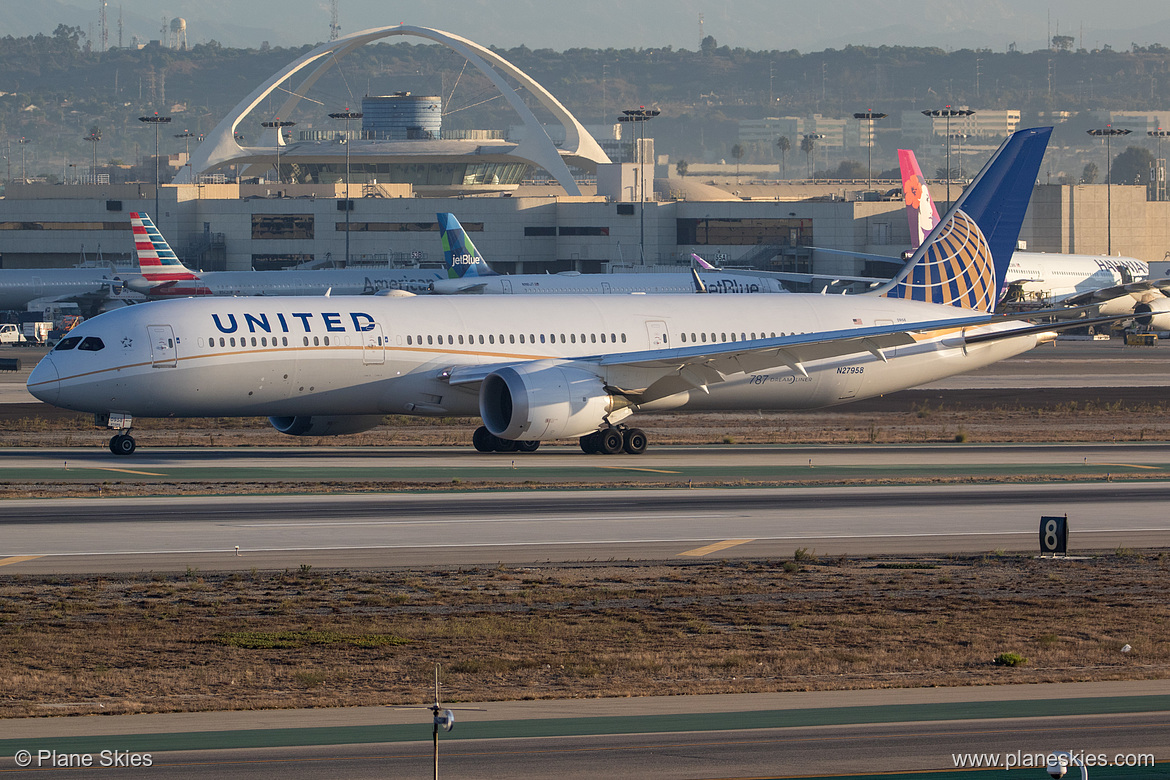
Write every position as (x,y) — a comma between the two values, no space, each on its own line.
(430,339)
(491,338)
(316,342)
(253,341)
(684,338)
(623,338)
(573,337)
(602,338)
(521,338)
(511,338)
(704,338)
(613,338)
(481,338)
(284,340)
(222,342)
(67,343)
(264,341)
(460,338)
(593,338)
(531,338)
(541,338)
(408,341)
(306,341)
(232,340)
(562,338)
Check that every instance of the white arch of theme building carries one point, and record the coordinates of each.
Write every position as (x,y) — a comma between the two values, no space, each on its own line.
(220,146)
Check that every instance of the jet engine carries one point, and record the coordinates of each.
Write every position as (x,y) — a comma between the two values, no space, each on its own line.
(1153,314)
(326,425)
(537,403)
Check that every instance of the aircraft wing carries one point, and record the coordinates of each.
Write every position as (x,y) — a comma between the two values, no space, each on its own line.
(1116,291)
(898,261)
(686,368)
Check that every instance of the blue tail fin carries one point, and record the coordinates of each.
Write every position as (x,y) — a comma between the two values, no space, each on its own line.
(460,256)
(965,258)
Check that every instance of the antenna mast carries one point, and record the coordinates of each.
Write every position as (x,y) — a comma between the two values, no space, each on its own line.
(334,24)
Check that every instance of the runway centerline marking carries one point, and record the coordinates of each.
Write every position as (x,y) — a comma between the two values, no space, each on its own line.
(121,471)
(18,559)
(699,552)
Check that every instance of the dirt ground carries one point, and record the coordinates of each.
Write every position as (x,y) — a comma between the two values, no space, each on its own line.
(311,638)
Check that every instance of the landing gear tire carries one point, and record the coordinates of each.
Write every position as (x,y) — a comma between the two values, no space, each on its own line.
(483,440)
(609,441)
(589,444)
(527,446)
(634,441)
(122,444)
(505,445)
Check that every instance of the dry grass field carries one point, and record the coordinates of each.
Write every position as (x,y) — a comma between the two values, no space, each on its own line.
(312,638)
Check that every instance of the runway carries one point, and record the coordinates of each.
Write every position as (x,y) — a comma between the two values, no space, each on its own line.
(764,735)
(381,530)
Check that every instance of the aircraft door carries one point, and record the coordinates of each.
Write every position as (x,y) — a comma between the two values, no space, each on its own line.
(606,289)
(506,286)
(656,330)
(373,346)
(163,353)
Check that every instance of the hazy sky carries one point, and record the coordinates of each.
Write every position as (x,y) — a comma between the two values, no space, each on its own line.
(560,24)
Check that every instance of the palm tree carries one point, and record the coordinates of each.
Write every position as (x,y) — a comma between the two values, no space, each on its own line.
(783,144)
(737,152)
(807,144)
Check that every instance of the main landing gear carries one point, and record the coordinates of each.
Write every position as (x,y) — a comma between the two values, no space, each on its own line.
(485,441)
(122,444)
(611,441)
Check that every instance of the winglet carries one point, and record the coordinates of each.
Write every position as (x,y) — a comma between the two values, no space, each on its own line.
(460,256)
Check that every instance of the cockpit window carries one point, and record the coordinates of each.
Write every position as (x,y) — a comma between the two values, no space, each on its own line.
(67,343)
(91,344)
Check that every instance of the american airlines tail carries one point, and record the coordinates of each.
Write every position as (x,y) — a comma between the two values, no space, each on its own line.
(161,268)
(460,256)
(920,209)
(964,260)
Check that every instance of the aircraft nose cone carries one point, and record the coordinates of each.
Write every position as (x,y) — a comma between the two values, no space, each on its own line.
(43,382)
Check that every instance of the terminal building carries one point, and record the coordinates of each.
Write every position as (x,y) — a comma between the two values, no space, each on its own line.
(541,196)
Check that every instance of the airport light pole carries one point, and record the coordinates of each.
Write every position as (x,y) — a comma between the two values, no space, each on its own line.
(1107,132)
(808,144)
(871,116)
(641,115)
(947,112)
(23,175)
(94,136)
(280,124)
(1159,164)
(186,135)
(346,116)
(959,137)
(156,120)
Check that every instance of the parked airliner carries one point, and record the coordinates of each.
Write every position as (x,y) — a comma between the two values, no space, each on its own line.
(470,274)
(90,288)
(165,276)
(560,366)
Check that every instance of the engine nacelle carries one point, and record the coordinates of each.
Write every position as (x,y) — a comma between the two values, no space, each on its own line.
(1153,314)
(537,403)
(326,425)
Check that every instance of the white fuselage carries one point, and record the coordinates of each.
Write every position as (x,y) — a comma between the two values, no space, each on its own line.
(366,356)
(20,287)
(1051,278)
(606,284)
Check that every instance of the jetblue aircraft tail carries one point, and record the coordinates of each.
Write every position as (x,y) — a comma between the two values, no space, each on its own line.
(163,272)
(964,260)
(460,256)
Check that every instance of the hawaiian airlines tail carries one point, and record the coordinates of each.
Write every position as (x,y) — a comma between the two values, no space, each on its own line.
(163,272)
(964,259)
(461,257)
(920,210)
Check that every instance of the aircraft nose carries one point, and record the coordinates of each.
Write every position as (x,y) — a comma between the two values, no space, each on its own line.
(44,382)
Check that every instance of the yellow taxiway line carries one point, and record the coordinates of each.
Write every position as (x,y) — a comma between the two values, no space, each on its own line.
(18,559)
(699,552)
